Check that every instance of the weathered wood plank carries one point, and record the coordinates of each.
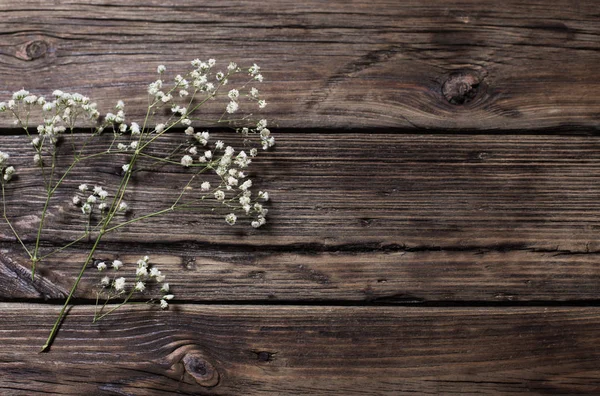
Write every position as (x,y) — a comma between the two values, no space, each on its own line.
(522,64)
(255,350)
(334,191)
(208,273)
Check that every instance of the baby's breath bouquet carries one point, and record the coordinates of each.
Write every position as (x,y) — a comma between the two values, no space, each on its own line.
(218,178)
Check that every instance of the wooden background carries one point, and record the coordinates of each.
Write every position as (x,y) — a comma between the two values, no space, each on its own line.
(435,221)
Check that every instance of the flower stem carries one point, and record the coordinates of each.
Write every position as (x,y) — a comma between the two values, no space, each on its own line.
(61,315)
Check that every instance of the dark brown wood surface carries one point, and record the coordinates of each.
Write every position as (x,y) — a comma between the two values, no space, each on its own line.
(255,350)
(336,64)
(435,210)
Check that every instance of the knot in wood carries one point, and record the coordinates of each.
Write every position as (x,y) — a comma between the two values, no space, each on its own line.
(461,88)
(36,49)
(200,369)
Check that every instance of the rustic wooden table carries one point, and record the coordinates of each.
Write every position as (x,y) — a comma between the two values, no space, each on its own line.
(435,222)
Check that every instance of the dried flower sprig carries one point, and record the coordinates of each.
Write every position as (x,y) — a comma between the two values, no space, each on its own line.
(219,170)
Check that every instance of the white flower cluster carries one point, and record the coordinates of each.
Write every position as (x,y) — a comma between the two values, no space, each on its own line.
(266,139)
(97,199)
(144,276)
(221,170)
(7,172)
(117,122)
(59,114)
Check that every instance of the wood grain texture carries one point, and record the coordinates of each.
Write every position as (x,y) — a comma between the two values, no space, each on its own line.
(251,350)
(335,192)
(378,64)
(250,274)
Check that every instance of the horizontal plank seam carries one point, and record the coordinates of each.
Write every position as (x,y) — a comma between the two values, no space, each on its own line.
(564,130)
(377,302)
(315,248)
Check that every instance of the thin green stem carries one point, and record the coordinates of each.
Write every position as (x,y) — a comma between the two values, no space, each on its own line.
(35,257)
(60,249)
(97,318)
(61,314)
(16,234)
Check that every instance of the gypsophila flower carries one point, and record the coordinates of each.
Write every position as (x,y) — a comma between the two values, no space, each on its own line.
(19,95)
(219,195)
(134,128)
(246,185)
(173,103)
(119,284)
(232,107)
(3,159)
(253,70)
(264,195)
(154,272)
(141,271)
(233,94)
(187,160)
(8,173)
(139,286)
(231,218)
